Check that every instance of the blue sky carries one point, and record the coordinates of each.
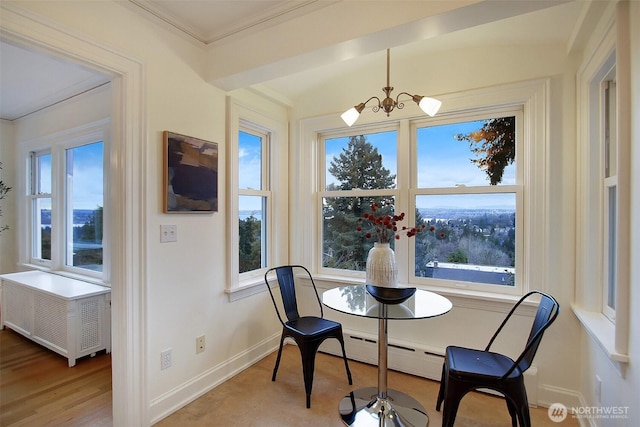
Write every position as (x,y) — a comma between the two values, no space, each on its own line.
(442,161)
(250,170)
(88,183)
(87,172)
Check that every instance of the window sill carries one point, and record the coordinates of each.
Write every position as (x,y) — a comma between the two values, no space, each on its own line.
(247,289)
(602,331)
(68,274)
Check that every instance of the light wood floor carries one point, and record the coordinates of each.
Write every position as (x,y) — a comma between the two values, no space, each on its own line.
(37,388)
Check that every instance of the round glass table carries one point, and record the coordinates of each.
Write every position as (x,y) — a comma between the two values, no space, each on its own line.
(380,406)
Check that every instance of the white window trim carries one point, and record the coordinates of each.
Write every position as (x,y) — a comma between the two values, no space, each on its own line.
(612,338)
(532,95)
(238,112)
(57,143)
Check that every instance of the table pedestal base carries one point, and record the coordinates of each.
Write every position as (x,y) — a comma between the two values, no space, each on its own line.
(363,407)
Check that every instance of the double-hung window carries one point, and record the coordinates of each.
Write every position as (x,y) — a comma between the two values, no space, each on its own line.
(464,193)
(359,169)
(610,189)
(40,206)
(468,192)
(257,187)
(603,281)
(254,199)
(65,204)
(472,179)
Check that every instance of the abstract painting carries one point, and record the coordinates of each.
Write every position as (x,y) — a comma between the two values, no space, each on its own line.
(190,174)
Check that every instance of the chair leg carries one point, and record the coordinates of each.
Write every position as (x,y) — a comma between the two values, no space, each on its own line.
(519,402)
(450,411)
(454,391)
(443,380)
(275,368)
(513,412)
(308,354)
(344,357)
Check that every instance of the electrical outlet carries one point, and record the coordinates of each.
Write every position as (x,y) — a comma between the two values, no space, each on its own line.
(598,389)
(199,344)
(168,233)
(165,359)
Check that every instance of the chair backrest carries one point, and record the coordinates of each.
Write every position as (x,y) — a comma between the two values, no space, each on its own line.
(546,314)
(286,283)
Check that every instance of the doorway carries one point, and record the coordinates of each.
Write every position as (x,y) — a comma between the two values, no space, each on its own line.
(127,185)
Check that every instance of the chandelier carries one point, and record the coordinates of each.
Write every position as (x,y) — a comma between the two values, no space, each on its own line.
(429,105)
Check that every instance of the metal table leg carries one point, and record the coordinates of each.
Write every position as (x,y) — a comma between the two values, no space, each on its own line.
(382,407)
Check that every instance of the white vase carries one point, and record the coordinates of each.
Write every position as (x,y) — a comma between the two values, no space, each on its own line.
(381,266)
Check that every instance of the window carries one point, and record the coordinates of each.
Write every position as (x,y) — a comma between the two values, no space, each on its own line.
(469,194)
(609,186)
(359,170)
(474,176)
(66,201)
(604,197)
(254,198)
(258,203)
(84,191)
(40,196)
(466,194)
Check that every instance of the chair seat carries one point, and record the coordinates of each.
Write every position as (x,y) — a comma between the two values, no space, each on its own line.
(477,364)
(310,325)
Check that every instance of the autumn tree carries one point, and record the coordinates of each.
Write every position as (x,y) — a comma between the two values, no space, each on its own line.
(494,145)
(359,166)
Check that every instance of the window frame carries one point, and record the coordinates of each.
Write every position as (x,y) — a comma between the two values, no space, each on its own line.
(532,96)
(56,144)
(610,50)
(242,116)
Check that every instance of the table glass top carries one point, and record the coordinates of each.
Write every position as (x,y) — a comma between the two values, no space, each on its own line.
(357,301)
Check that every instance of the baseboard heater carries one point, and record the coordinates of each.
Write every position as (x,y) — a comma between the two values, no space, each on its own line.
(402,356)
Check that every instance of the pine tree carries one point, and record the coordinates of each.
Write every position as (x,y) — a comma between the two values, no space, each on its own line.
(250,254)
(359,166)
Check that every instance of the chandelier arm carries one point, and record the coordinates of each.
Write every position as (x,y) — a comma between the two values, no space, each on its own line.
(375,108)
(399,104)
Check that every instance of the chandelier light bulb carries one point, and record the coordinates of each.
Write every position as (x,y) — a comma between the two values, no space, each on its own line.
(350,116)
(429,105)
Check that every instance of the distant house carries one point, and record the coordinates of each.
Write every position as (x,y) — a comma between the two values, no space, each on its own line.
(471,273)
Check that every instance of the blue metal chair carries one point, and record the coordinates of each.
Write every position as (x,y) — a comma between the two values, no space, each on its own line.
(307,331)
(468,369)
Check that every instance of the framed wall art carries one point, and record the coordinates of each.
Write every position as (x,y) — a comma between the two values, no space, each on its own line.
(190,174)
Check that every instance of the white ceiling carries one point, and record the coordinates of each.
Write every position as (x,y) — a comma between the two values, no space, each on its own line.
(31,80)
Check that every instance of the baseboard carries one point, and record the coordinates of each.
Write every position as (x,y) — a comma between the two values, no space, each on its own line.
(169,402)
